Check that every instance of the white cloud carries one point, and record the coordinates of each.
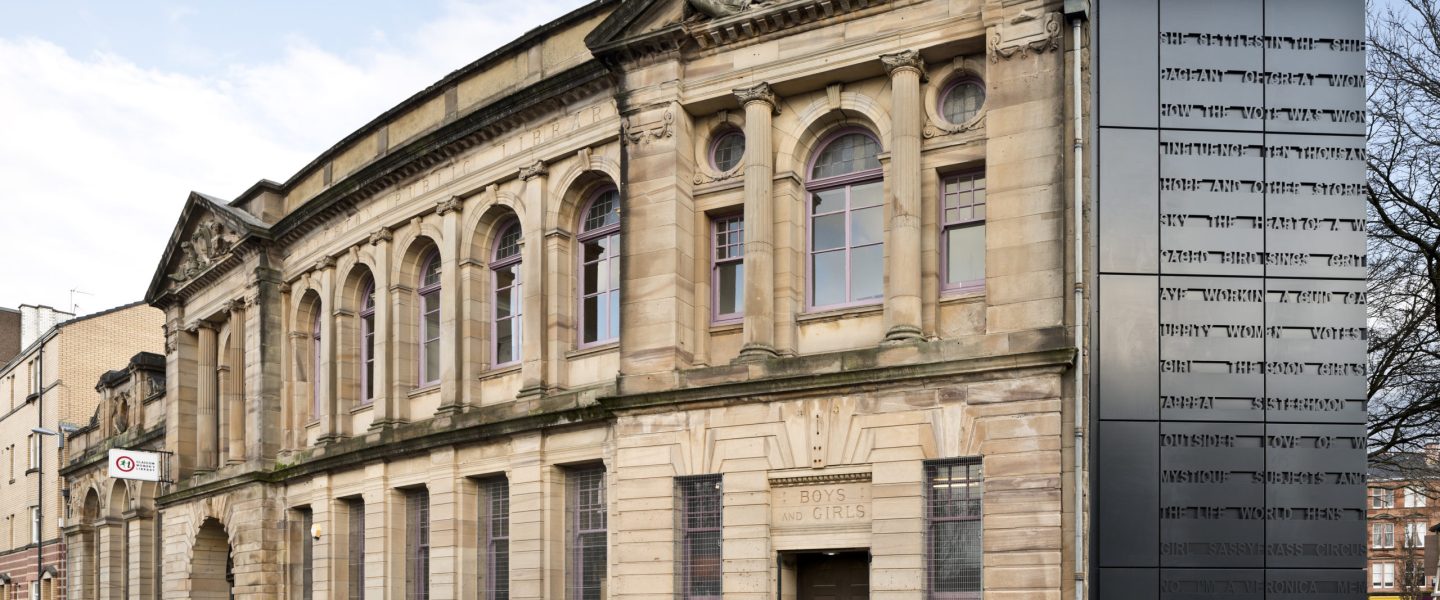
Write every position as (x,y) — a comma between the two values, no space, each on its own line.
(98,153)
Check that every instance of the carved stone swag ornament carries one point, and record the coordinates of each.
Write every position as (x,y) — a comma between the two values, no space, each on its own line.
(1022,34)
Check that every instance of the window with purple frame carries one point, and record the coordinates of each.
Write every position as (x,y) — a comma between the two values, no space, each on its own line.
(417,544)
(847,228)
(315,366)
(727,150)
(430,319)
(954,490)
(505,270)
(588,534)
(699,539)
(728,279)
(600,269)
(367,343)
(962,234)
(495,537)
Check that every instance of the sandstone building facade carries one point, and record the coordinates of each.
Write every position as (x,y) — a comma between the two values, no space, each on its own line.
(48,386)
(662,299)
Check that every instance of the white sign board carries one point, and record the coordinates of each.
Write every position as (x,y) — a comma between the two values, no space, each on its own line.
(132,464)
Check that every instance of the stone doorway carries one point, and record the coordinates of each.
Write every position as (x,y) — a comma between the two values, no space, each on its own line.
(832,576)
(211,568)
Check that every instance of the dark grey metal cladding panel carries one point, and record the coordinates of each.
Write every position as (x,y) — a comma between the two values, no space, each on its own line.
(1212,584)
(1128,584)
(1209,85)
(1129,496)
(1315,351)
(1315,206)
(1315,490)
(1315,584)
(1211,348)
(1129,347)
(1315,59)
(1129,201)
(1129,58)
(1212,203)
(1211,507)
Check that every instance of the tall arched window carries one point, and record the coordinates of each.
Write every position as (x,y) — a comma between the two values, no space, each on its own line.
(315,365)
(430,319)
(367,342)
(600,269)
(847,222)
(505,268)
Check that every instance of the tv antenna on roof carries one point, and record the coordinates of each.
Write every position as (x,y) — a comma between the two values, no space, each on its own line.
(75,309)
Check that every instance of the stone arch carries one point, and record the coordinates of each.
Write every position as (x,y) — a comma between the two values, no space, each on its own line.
(115,545)
(349,302)
(211,569)
(88,554)
(304,402)
(477,347)
(406,308)
(119,501)
(575,187)
(479,218)
(817,120)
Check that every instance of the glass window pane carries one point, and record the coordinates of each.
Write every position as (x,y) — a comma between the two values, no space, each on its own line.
(728,150)
(432,360)
(590,309)
(602,211)
(963,102)
(614,267)
(828,232)
(827,201)
(432,323)
(503,340)
(867,226)
(847,154)
(614,321)
(965,255)
(828,278)
(589,278)
(729,288)
(867,194)
(867,272)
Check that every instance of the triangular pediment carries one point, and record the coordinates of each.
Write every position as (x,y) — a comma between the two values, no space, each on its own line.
(636,21)
(640,27)
(208,234)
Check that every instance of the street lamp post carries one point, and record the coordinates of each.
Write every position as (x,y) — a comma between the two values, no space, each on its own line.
(39,524)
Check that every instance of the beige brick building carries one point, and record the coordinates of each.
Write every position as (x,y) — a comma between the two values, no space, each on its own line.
(662,299)
(50,386)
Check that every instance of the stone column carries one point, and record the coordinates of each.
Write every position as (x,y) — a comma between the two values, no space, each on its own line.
(206,412)
(224,380)
(384,399)
(140,555)
(532,282)
(449,211)
(759,326)
(902,268)
(235,390)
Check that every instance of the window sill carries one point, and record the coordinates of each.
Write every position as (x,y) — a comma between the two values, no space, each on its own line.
(360,408)
(962,296)
(312,424)
(424,389)
(837,314)
(32,470)
(593,350)
(727,327)
(498,372)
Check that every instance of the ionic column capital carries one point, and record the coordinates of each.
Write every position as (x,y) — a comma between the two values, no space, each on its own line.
(904,60)
(759,92)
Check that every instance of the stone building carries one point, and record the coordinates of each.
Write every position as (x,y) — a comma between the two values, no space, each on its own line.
(47,388)
(1403,505)
(112,541)
(662,299)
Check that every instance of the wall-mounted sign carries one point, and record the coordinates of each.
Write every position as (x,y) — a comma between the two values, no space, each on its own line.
(820,501)
(133,464)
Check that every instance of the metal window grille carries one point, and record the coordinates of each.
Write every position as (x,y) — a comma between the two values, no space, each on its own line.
(506,311)
(588,539)
(728,257)
(962,236)
(307,555)
(417,544)
(355,559)
(495,537)
(699,539)
(954,492)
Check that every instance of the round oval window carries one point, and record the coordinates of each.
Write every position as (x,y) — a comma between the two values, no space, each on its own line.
(962,101)
(725,153)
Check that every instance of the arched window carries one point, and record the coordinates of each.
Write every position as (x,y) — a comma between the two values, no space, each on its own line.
(367,342)
(430,319)
(505,268)
(847,224)
(315,365)
(600,268)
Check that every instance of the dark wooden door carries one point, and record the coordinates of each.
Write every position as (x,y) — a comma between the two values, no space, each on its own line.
(843,576)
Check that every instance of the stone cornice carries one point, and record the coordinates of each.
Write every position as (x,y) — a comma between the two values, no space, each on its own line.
(763,21)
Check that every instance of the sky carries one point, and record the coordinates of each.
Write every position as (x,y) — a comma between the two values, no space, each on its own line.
(112,112)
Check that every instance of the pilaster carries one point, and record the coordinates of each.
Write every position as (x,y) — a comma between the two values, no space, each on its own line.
(533,286)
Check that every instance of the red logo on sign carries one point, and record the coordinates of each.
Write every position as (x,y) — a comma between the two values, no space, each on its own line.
(125,463)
